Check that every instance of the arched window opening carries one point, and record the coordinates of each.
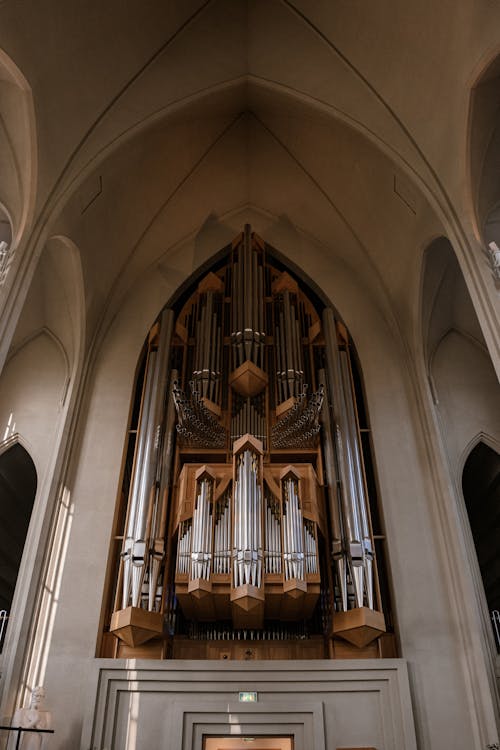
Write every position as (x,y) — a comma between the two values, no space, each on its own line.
(248,525)
(18,483)
(481,488)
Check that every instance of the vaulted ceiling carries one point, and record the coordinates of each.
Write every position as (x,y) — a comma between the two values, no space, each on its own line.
(148,122)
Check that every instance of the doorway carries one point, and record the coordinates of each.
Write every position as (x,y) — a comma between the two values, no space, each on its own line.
(18,483)
(247,743)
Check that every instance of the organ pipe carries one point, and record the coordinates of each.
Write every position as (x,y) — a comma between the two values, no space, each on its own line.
(143,496)
(184,547)
(288,352)
(311,547)
(162,486)
(222,551)
(207,352)
(247,334)
(201,545)
(354,504)
(247,544)
(293,535)
(272,535)
(333,491)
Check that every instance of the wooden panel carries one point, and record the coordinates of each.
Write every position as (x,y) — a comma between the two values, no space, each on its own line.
(388,647)
(344,650)
(310,490)
(186,488)
(108,646)
(313,648)
(150,650)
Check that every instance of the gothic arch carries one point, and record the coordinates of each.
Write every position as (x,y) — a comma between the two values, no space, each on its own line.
(33,385)
(44,331)
(481,437)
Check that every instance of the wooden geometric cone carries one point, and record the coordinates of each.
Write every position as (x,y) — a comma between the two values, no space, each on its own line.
(359,626)
(248,379)
(135,626)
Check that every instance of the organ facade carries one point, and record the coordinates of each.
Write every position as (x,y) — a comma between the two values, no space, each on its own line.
(245,513)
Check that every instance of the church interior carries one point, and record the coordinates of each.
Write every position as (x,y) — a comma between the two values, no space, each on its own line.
(249,359)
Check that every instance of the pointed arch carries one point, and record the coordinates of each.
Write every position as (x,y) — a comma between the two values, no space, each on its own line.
(40,332)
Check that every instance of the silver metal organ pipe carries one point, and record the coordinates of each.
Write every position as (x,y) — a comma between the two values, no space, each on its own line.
(217,544)
(294,347)
(184,547)
(338,550)
(222,528)
(245,490)
(222,541)
(247,548)
(134,544)
(267,542)
(227,540)
(201,551)
(300,359)
(349,482)
(277,541)
(251,537)
(144,489)
(283,373)
(162,482)
(359,476)
(311,548)
(290,369)
(255,307)
(279,383)
(235,530)
(260,296)
(293,551)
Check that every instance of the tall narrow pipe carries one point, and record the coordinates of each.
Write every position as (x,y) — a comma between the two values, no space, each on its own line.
(144,494)
(348,489)
(338,550)
(359,478)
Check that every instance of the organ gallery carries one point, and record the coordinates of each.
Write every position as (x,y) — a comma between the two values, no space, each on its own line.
(247,524)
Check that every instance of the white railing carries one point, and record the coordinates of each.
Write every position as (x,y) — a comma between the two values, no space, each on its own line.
(4,617)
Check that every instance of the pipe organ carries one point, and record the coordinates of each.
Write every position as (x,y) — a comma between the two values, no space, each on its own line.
(245,500)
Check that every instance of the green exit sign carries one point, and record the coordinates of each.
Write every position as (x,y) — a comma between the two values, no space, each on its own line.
(245,697)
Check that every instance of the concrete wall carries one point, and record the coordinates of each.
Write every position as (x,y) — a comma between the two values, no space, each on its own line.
(321,704)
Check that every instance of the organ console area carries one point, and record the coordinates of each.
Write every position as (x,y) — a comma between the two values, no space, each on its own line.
(247,525)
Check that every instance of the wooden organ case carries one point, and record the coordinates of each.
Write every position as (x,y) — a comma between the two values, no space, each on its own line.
(245,525)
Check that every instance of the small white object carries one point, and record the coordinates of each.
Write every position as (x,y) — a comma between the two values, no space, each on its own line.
(32,718)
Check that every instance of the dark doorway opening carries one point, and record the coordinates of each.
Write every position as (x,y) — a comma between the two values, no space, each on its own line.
(18,482)
(481,488)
